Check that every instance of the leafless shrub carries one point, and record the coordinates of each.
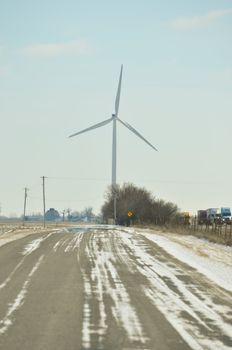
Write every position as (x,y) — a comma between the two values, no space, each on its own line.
(140,202)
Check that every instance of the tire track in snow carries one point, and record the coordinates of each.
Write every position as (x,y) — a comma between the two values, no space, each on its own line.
(8,279)
(28,249)
(205,325)
(7,320)
(68,245)
(104,280)
(35,244)
(74,243)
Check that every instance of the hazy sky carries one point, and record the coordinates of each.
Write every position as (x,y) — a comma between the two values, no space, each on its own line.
(59,70)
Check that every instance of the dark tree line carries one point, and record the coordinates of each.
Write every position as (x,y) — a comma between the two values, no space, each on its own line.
(145,208)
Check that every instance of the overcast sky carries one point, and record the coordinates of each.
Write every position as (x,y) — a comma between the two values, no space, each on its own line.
(59,70)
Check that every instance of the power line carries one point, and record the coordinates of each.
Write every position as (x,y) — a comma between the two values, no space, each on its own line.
(177,182)
(77,178)
(174,182)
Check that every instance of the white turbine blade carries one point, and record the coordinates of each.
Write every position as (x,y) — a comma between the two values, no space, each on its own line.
(128,126)
(118,93)
(92,127)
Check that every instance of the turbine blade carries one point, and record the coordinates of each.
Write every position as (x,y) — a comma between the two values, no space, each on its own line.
(117,100)
(128,126)
(98,125)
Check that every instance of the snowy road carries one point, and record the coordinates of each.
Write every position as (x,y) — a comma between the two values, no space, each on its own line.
(107,288)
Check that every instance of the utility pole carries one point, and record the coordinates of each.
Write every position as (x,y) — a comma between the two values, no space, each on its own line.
(44,207)
(25,204)
(115,209)
(114,192)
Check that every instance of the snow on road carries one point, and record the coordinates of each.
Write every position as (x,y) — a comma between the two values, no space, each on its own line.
(211,259)
(103,280)
(35,244)
(187,301)
(178,295)
(10,235)
(112,259)
(7,320)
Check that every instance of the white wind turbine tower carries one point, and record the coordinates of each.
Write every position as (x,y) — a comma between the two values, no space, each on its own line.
(114,119)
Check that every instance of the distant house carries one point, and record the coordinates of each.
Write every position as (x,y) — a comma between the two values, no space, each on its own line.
(52,215)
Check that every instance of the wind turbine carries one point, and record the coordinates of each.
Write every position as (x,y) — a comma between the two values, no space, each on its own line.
(115,119)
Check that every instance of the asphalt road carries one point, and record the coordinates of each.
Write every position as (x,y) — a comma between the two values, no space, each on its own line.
(104,288)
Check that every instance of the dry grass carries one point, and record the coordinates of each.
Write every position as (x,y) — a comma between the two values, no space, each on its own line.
(17,228)
(211,236)
(13,230)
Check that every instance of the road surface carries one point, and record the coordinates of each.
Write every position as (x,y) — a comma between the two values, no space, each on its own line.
(106,288)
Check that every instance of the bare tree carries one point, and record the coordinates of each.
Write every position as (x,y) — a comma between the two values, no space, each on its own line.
(139,203)
(88,213)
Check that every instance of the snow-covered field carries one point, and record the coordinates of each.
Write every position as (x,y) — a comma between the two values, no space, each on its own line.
(12,232)
(211,259)
(9,233)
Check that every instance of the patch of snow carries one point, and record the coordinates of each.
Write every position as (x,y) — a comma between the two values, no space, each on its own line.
(35,244)
(74,243)
(6,322)
(56,246)
(8,279)
(18,233)
(175,298)
(32,246)
(105,280)
(212,260)
(86,326)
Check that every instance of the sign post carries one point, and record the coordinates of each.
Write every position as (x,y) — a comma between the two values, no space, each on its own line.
(129,216)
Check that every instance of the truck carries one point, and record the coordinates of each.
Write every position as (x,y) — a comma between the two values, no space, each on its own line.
(225,213)
(201,217)
(218,215)
(212,214)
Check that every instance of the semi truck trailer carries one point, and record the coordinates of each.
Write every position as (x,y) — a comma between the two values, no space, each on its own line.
(214,216)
